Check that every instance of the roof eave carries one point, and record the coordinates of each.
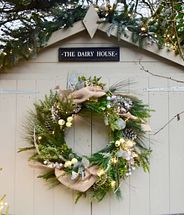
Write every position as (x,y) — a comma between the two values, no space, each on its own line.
(62,34)
(164,53)
(90,24)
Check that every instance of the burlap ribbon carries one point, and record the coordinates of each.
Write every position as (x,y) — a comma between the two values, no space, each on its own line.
(86,93)
(80,184)
(81,95)
(144,125)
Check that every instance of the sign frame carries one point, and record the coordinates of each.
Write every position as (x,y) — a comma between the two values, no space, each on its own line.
(89,54)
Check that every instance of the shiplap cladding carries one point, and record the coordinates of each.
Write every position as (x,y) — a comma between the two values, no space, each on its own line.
(159,192)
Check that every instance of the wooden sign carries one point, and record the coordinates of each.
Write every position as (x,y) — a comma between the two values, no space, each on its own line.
(89,54)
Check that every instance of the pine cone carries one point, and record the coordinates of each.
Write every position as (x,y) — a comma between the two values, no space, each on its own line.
(124,103)
(129,133)
(55,113)
(48,126)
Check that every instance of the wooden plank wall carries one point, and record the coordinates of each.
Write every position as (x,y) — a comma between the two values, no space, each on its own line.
(156,193)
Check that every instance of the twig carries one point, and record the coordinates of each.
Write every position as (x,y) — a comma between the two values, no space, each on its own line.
(175,30)
(160,76)
(149,6)
(169,78)
(166,124)
(35,143)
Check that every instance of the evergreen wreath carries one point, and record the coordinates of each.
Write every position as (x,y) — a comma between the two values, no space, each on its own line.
(125,117)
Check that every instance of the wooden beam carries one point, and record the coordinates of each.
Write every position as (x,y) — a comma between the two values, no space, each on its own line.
(169,55)
(65,33)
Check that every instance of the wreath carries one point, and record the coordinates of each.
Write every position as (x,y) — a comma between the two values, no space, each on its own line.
(125,117)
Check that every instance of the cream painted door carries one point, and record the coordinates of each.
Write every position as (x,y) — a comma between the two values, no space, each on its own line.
(156,193)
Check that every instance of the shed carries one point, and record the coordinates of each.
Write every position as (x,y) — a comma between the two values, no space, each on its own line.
(158,77)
